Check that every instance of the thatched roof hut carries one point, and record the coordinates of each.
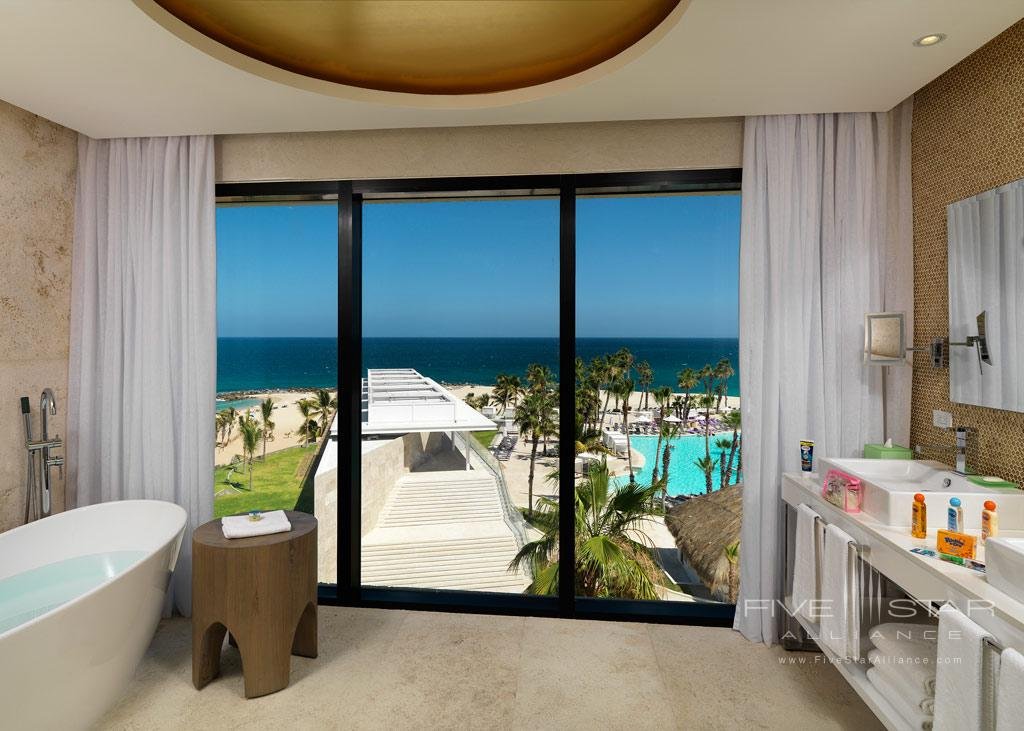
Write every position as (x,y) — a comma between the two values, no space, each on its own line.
(704,527)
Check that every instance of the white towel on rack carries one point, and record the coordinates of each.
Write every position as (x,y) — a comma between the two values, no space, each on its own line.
(914,693)
(913,716)
(840,594)
(806,575)
(960,675)
(1010,693)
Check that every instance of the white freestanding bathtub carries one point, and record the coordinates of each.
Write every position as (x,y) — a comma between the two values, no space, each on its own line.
(81,594)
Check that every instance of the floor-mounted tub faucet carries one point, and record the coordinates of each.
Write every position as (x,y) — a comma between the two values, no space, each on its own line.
(38,502)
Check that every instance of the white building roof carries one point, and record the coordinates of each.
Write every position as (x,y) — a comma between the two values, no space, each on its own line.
(400,400)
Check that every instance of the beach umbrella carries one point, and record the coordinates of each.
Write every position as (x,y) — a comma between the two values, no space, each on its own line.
(672,419)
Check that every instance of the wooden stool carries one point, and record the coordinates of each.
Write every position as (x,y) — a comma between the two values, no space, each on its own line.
(263,591)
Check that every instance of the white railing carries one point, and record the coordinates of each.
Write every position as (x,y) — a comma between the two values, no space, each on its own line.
(480,458)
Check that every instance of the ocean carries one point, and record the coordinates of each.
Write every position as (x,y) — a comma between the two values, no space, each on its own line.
(262,364)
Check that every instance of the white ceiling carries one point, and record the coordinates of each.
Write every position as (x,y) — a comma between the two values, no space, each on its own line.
(104,67)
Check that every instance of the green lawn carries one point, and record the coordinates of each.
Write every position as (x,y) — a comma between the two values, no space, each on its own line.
(276,483)
(485,437)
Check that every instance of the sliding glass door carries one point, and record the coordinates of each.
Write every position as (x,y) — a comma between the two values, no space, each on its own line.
(459,434)
(535,383)
(658,397)
(277,356)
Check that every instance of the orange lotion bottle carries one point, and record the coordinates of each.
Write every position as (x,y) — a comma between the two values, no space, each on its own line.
(989,521)
(919,518)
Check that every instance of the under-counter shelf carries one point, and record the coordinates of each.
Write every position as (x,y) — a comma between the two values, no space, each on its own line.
(922,577)
(856,674)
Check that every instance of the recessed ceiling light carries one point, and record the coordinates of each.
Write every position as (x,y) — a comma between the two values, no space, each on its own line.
(930,40)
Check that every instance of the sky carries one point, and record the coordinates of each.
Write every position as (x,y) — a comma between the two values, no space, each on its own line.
(647,266)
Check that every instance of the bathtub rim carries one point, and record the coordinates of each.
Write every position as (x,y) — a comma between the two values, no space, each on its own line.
(177,535)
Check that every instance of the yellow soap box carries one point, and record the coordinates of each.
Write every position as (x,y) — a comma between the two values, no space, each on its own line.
(955,544)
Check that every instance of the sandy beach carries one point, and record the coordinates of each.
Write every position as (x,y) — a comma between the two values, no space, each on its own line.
(286,418)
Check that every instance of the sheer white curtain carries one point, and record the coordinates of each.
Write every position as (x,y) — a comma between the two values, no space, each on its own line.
(142,374)
(825,238)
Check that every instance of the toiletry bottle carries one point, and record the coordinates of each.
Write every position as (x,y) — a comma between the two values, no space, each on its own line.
(955,519)
(919,518)
(989,521)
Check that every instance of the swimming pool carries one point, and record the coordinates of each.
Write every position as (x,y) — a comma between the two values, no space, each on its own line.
(240,403)
(684,477)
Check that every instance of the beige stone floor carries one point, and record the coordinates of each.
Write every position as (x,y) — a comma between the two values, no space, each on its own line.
(393,669)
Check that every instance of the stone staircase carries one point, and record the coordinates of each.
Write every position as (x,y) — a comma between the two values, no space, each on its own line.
(442,530)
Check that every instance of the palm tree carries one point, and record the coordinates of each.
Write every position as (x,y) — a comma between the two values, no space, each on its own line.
(732,555)
(686,380)
(662,399)
(721,389)
(624,388)
(707,466)
(587,439)
(307,407)
(505,390)
(266,411)
(644,377)
(251,435)
(666,456)
(705,402)
(549,416)
(538,376)
(218,428)
(529,418)
(723,371)
(601,372)
(666,431)
(722,444)
(733,421)
(324,408)
(230,416)
(613,554)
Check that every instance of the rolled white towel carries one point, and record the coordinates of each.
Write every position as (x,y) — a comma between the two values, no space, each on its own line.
(241,526)
(913,716)
(913,692)
(911,647)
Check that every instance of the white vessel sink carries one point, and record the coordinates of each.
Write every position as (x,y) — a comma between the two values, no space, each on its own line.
(889,486)
(1004,565)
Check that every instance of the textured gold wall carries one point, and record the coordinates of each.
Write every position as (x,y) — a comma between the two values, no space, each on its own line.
(968,136)
(37,196)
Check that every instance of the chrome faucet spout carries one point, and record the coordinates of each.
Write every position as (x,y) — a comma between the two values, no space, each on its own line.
(47,408)
(960,449)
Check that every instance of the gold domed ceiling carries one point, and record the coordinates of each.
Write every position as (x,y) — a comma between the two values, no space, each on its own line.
(438,47)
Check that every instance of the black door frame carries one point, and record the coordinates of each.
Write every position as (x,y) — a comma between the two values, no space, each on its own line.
(350,195)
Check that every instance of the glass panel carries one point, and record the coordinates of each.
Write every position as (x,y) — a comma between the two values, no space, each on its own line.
(277,354)
(460,355)
(659,441)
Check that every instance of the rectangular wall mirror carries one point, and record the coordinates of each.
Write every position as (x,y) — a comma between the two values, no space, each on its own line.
(986,298)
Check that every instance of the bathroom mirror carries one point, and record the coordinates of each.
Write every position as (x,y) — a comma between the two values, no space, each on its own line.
(986,298)
(884,338)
